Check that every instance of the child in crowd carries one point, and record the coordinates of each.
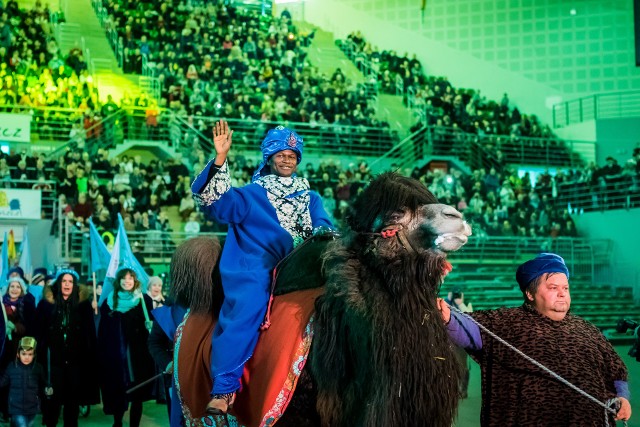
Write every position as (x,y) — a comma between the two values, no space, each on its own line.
(26,382)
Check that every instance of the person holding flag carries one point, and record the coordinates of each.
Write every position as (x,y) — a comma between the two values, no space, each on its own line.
(125,324)
(4,264)
(66,339)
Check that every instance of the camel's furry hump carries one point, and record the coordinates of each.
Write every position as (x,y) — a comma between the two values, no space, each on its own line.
(381,355)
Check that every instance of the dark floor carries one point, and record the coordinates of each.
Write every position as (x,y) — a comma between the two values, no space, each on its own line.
(155,415)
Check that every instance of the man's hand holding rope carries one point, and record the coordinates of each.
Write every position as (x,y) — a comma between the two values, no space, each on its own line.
(624,413)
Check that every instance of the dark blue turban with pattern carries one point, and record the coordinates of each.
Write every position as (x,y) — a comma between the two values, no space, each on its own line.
(277,139)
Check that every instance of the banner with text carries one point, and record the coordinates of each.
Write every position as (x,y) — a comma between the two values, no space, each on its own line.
(20,204)
(15,127)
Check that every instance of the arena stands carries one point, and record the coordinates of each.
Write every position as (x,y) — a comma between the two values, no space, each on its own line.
(497,201)
(217,60)
(459,116)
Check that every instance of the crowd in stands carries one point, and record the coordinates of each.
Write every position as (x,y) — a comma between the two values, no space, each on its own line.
(467,108)
(33,70)
(497,200)
(457,110)
(216,60)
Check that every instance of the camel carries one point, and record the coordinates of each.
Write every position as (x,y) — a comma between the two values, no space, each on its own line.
(355,338)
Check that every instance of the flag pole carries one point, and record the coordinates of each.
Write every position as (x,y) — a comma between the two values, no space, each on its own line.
(95,297)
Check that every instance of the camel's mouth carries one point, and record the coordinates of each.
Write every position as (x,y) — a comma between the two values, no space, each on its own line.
(449,242)
(452,241)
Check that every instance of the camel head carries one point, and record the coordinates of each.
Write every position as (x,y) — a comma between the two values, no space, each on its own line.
(396,205)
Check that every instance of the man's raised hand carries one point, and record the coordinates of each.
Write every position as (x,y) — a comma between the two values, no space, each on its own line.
(221,141)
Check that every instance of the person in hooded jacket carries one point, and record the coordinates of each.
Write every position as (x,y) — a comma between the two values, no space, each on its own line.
(67,348)
(26,382)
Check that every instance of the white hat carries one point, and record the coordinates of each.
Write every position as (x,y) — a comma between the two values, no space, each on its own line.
(20,281)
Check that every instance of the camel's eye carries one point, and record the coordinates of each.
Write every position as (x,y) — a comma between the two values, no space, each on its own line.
(396,216)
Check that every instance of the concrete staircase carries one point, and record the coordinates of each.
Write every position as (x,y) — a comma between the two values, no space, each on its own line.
(82,29)
(392,110)
(324,54)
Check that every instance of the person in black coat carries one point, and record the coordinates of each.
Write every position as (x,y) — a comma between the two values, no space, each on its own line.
(125,361)
(67,347)
(26,381)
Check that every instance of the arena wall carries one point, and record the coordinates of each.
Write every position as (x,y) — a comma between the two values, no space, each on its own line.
(621,227)
(540,52)
(617,138)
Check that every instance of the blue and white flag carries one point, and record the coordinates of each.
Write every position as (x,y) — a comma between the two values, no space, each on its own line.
(25,257)
(4,263)
(100,256)
(122,257)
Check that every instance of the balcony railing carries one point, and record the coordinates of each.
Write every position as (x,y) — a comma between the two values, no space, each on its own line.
(580,197)
(187,132)
(486,151)
(600,106)
(318,138)
(157,247)
(48,123)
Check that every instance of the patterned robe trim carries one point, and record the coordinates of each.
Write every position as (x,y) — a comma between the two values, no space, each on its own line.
(290,198)
(189,420)
(219,184)
(284,397)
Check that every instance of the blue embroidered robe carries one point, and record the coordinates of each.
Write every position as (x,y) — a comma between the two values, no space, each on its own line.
(262,230)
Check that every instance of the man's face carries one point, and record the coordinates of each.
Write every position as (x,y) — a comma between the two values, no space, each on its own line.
(284,163)
(552,299)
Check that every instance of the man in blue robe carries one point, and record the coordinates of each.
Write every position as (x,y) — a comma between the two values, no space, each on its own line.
(267,219)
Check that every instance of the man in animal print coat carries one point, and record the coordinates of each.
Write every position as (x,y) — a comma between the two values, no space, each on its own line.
(515,392)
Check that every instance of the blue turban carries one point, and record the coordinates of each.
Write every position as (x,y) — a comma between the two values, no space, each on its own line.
(278,139)
(543,263)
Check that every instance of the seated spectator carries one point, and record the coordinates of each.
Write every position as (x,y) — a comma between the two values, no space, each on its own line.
(187,205)
(192,227)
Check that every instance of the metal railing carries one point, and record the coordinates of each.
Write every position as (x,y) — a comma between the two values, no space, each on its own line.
(318,138)
(478,151)
(579,197)
(155,246)
(114,40)
(48,188)
(55,124)
(48,124)
(399,84)
(600,106)
(263,7)
(67,35)
(369,69)
(158,247)
(488,250)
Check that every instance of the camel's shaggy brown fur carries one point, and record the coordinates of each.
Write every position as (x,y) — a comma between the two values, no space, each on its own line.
(195,278)
(381,355)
